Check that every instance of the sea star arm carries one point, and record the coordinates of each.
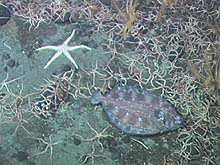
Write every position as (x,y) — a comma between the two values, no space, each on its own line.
(69,38)
(48,47)
(70,58)
(78,47)
(58,53)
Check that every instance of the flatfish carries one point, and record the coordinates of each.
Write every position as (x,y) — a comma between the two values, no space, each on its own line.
(138,111)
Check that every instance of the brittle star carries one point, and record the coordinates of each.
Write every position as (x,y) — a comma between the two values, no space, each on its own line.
(63,49)
(49,145)
(5,82)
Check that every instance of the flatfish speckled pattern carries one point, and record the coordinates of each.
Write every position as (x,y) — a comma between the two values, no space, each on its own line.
(138,111)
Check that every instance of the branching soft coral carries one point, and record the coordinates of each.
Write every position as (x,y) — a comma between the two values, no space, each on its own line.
(128,16)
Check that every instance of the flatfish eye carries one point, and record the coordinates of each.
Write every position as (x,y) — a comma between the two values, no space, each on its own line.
(161,116)
(165,120)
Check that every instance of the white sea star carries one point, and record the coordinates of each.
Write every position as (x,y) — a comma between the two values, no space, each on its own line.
(63,49)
